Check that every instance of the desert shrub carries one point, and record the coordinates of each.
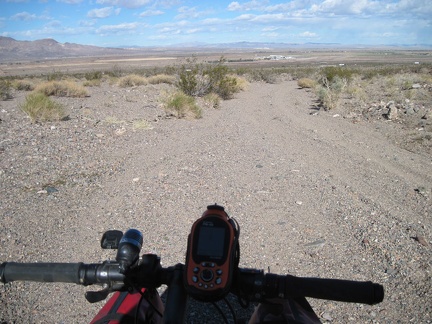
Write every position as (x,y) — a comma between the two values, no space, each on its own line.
(330,92)
(212,100)
(225,87)
(93,75)
(306,83)
(198,79)
(23,85)
(303,72)
(55,76)
(161,78)
(116,71)
(40,108)
(189,82)
(92,83)
(266,75)
(357,92)
(332,72)
(62,89)
(241,83)
(5,90)
(182,105)
(132,80)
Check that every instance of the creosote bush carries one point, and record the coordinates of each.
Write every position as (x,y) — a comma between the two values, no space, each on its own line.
(198,79)
(331,73)
(329,92)
(41,108)
(93,75)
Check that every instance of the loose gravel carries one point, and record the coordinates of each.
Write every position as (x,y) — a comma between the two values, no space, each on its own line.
(315,195)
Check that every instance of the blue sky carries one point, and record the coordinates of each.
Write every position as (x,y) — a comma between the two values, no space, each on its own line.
(166,22)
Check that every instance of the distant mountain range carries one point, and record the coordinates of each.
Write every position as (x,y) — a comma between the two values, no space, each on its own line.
(12,50)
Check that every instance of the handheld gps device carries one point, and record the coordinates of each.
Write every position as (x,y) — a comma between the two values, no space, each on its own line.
(212,255)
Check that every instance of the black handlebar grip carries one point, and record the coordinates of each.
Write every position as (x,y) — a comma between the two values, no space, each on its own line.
(334,289)
(41,272)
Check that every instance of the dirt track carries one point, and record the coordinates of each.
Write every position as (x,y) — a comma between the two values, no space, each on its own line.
(315,195)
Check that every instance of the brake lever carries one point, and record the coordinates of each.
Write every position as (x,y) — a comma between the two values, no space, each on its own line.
(97,296)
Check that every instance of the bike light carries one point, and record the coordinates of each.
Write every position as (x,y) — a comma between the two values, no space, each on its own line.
(129,249)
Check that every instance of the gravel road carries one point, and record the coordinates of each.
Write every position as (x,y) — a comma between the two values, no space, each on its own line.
(315,195)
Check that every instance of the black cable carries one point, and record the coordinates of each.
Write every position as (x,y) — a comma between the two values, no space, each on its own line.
(139,307)
(144,297)
(221,312)
(233,314)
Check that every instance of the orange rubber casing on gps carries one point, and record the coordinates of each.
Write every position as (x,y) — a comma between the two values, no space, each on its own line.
(212,255)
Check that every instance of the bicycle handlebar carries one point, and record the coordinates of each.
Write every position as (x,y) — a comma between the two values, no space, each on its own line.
(77,273)
(252,283)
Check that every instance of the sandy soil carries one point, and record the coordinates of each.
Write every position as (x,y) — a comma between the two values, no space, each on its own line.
(315,195)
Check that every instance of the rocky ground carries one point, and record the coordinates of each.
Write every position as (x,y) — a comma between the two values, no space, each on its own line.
(316,193)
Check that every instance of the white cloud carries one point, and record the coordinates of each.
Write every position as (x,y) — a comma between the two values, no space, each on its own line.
(193,30)
(212,21)
(54,24)
(190,12)
(87,23)
(270,35)
(247,6)
(270,18)
(245,17)
(130,4)
(170,30)
(70,1)
(234,6)
(266,18)
(115,29)
(149,13)
(410,7)
(24,16)
(270,28)
(372,7)
(103,12)
(308,34)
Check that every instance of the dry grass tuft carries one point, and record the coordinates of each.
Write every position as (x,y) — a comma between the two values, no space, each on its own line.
(182,105)
(161,78)
(212,100)
(41,108)
(306,83)
(141,124)
(23,85)
(62,88)
(132,80)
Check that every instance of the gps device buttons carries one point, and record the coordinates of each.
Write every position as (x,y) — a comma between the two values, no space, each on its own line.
(207,275)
